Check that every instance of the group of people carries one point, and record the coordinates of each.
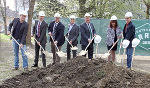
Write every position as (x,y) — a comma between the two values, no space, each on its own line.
(57,37)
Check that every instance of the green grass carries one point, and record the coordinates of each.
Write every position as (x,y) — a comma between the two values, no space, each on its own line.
(4,38)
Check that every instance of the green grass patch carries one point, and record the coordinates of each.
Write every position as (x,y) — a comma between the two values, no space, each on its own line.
(4,38)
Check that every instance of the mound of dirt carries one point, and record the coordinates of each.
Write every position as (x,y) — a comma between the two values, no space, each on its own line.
(79,73)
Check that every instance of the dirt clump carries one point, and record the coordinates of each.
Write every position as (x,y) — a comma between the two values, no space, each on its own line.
(80,73)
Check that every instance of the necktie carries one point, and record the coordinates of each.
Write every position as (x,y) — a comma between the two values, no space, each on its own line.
(39,29)
(90,29)
(54,31)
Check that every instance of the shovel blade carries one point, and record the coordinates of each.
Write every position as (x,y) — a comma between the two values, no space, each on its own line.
(60,54)
(106,55)
(29,55)
(83,52)
(74,48)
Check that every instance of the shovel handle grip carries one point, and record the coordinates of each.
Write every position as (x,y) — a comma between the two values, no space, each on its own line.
(113,45)
(54,43)
(68,41)
(17,42)
(39,44)
(89,43)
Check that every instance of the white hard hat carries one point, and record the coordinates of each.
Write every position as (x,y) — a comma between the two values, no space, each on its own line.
(57,15)
(97,39)
(128,14)
(135,42)
(87,15)
(41,13)
(125,43)
(23,13)
(72,17)
(113,17)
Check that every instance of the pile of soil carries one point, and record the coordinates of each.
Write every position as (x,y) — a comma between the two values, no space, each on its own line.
(79,73)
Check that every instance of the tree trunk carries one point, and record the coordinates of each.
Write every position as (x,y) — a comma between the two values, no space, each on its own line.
(30,15)
(147,12)
(3,11)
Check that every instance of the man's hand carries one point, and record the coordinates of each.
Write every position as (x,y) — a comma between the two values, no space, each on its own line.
(8,32)
(70,42)
(38,43)
(50,34)
(89,40)
(94,35)
(32,35)
(21,45)
(55,42)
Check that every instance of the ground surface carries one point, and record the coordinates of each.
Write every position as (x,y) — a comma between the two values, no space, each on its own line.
(78,73)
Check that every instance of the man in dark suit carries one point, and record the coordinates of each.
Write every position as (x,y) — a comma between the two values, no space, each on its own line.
(39,31)
(72,34)
(87,33)
(19,32)
(56,30)
(129,34)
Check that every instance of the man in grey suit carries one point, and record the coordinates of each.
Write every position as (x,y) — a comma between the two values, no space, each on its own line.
(19,32)
(39,31)
(72,35)
(87,33)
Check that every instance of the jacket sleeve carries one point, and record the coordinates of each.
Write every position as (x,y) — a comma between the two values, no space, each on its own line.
(77,34)
(33,29)
(130,32)
(43,33)
(94,31)
(23,39)
(82,30)
(10,25)
(50,28)
(61,33)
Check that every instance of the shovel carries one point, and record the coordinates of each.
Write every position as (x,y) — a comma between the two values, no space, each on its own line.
(118,59)
(44,51)
(108,53)
(83,52)
(60,53)
(26,53)
(72,47)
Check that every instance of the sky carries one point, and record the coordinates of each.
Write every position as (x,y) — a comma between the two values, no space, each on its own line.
(11,4)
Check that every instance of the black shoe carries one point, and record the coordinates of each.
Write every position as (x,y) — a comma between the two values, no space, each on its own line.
(34,65)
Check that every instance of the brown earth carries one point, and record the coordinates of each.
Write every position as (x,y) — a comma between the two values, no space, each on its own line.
(79,73)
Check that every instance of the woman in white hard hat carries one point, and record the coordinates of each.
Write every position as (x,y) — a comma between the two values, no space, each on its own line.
(113,33)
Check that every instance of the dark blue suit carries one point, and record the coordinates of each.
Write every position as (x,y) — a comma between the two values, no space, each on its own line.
(85,35)
(59,36)
(129,34)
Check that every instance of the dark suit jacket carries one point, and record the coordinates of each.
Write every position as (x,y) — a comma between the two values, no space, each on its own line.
(73,34)
(59,36)
(43,27)
(85,33)
(22,32)
(130,33)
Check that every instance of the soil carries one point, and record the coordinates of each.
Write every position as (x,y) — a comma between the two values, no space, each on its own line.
(80,73)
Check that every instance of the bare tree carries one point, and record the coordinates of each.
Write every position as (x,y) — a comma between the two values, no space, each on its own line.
(147,3)
(3,13)
(30,15)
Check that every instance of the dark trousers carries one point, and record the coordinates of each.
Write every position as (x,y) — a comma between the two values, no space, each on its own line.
(37,49)
(74,52)
(90,50)
(56,58)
